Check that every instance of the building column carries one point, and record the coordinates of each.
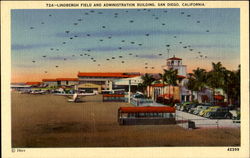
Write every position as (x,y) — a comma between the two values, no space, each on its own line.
(153,94)
(106,84)
(110,85)
(129,90)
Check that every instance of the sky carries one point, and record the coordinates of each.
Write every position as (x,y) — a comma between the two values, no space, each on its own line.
(61,42)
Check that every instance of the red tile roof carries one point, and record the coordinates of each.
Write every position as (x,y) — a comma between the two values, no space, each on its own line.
(147,109)
(49,80)
(174,58)
(180,76)
(159,85)
(67,79)
(60,79)
(33,83)
(133,75)
(167,96)
(105,74)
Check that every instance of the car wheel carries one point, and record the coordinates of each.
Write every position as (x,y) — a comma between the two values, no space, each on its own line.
(228,117)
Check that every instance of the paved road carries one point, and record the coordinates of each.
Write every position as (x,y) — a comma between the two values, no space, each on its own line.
(205,122)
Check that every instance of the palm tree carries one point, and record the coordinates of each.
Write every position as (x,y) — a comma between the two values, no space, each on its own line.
(162,81)
(217,76)
(232,85)
(237,83)
(147,81)
(200,75)
(191,85)
(170,77)
(197,80)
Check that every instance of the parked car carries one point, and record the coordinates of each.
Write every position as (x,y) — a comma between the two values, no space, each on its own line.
(190,106)
(218,109)
(238,116)
(200,108)
(184,105)
(235,114)
(25,91)
(232,107)
(139,95)
(218,115)
(208,104)
(38,92)
(177,106)
(193,107)
(163,99)
(210,109)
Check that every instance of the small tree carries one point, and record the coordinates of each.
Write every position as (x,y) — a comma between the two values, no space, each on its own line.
(147,81)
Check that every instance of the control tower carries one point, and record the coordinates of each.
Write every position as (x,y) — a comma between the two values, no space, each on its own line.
(176,64)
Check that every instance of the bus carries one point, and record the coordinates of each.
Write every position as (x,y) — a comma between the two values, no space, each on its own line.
(157,115)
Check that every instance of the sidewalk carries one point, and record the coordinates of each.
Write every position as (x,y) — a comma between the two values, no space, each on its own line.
(202,122)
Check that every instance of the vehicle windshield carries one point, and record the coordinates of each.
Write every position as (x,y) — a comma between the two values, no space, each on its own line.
(205,107)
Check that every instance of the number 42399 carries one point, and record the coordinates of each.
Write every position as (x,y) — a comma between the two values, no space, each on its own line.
(233,149)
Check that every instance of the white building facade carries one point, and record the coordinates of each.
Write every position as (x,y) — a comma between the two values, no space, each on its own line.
(176,64)
(104,79)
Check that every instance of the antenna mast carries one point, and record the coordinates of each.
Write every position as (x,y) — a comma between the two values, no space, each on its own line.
(168,52)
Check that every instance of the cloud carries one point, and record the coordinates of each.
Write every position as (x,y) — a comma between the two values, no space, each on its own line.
(28,46)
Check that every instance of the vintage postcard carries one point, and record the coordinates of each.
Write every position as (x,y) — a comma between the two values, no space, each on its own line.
(125,78)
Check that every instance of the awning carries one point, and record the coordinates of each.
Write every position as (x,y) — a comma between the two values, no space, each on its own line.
(159,85)
(219,97)
(204,97)
(160,109)
(167,96)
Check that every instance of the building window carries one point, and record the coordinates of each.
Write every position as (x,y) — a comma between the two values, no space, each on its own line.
(183,97)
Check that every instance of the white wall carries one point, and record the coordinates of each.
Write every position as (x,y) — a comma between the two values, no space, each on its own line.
(51,84)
